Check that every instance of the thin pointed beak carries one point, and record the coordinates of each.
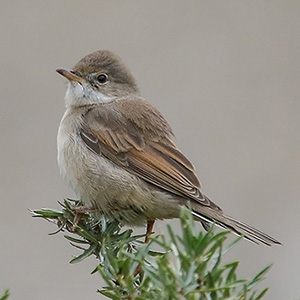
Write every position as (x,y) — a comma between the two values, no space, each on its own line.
(70,75)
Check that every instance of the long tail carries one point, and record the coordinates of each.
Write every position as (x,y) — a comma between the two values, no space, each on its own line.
(211,216)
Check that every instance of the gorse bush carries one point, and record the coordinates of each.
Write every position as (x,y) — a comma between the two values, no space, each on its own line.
(186,266)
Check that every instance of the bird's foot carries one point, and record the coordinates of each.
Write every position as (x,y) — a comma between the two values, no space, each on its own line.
(79,212)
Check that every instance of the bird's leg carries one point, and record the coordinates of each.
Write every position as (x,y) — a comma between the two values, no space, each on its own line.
(150,225)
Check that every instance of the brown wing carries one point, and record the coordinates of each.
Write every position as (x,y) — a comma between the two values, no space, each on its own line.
(152,157)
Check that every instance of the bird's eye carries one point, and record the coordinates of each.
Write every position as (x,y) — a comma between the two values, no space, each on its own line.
(102,78)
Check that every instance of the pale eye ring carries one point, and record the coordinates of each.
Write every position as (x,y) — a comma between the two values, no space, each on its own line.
(102,78)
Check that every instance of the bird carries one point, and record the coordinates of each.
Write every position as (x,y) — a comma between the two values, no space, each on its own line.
(117,152)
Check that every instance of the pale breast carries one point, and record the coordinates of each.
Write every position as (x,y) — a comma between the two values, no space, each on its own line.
(97,181)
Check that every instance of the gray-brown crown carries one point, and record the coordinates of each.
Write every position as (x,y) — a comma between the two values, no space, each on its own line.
(107,62)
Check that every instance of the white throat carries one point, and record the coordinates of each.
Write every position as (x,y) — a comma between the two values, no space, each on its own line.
(78,94)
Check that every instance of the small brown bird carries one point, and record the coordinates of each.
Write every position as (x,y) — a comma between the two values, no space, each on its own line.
(116,152)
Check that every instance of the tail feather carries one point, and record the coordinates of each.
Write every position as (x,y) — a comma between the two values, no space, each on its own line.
(237,227)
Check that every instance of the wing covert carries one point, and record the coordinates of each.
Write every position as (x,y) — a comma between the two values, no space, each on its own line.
(154,159)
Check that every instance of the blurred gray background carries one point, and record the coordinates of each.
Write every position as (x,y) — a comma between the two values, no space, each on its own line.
(226,76)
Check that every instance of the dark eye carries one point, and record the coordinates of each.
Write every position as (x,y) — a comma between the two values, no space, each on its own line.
(102,78)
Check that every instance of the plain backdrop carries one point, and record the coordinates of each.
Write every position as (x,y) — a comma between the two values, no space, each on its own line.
(226,76)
